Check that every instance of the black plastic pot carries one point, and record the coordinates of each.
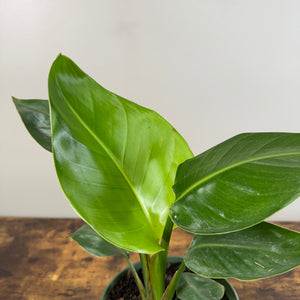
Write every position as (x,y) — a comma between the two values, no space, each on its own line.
(229,290)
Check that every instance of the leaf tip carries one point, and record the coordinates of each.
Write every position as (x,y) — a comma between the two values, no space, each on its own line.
(14,99)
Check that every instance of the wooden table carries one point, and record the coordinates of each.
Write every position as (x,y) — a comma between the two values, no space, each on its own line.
(38,261)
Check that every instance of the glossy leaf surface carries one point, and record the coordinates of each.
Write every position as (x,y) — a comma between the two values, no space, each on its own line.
(193,287)
(36,118)
(238,183)
(257,252)
(93,243)
(116,161)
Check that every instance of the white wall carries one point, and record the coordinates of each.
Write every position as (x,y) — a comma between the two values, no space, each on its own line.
(212,68)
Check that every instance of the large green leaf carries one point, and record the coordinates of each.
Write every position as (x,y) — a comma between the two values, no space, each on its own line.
(257,252)
(93,243)
(36,118)
(238,183)
(193,287)
(116,161)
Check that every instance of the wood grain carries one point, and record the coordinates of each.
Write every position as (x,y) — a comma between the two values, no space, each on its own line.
(38,261)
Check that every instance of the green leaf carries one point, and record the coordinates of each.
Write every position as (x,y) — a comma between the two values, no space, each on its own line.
(258,252)
(193,287)
(238,183)
(36,118)
(116,161)
(93,243)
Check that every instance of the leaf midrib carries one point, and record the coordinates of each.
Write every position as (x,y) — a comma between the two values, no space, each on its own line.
(189,286)
(206,178)
(109,153)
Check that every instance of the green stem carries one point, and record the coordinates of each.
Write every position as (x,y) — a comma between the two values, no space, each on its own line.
(145,262)
(159,262)
(165,242)
(170,291)
(136,277)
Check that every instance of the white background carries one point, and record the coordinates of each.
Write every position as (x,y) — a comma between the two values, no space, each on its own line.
(211,68)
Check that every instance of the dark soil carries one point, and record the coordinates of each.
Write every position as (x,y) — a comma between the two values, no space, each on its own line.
(127,289)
